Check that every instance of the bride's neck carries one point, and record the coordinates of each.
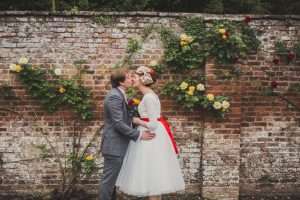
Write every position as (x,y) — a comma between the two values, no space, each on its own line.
(145,89)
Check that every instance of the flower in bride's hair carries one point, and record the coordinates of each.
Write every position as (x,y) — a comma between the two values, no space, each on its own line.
(23,60)
(217,105)
(210,97)
(184,85)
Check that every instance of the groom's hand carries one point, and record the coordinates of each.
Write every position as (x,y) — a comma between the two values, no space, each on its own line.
(147,135)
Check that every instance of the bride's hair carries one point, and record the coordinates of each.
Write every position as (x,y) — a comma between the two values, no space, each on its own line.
(147,75)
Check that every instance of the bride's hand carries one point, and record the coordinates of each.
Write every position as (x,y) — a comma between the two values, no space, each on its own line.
(139,122)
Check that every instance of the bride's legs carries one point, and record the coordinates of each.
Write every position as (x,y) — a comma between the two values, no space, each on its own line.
(155,198)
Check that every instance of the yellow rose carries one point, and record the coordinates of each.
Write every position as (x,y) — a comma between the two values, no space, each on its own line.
(190,92)
(23,60)
(192,88)
(183,85)
(222,31)
(210,97)
(12,67)
(200,87)
(217,105)
(90,157)
(62,90)
(183,43)
(183,37)
(18,68)
(136,101)
(225,104)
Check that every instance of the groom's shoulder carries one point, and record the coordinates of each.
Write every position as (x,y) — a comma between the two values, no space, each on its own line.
(112,92)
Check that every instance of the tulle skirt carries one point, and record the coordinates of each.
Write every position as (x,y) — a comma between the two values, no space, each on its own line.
(151,167)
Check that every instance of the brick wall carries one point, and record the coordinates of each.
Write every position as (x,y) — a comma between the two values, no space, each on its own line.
(253,151)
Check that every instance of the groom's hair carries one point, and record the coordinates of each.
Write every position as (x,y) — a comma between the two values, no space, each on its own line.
(117,76)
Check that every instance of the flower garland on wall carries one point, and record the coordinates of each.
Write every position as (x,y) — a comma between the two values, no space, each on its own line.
(51,90)
(223,41)
(191,94)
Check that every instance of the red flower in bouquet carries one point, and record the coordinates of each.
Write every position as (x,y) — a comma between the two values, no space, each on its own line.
(133,106)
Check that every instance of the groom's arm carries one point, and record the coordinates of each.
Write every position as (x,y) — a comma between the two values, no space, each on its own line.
(116,112)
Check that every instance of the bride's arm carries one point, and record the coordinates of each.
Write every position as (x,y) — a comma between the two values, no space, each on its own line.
(139,122)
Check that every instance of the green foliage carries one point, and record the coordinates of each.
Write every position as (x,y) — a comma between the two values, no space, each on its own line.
(104,20)
(295,87)
(210,6)
(225,41)
(297,49)
(281,47)
(231,41)
(6,92)
(53,91)
(133,46)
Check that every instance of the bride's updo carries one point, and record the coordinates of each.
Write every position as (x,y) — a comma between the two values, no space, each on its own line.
(147,75)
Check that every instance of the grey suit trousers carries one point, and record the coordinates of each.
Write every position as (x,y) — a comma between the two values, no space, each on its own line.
(112,167)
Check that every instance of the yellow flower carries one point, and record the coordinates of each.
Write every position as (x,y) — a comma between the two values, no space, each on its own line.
(183,85)
(18,68)
(217,105)
(222,31)
(62,90)
(200,87)
(210,97)
(225,104)
(90,157)
(15,68)
(136,101)
(185,39)
(23,60)
(12,67)
(183,43)
(191,90)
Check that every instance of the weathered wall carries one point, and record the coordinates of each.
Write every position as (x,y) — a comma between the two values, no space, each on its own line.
(255,149)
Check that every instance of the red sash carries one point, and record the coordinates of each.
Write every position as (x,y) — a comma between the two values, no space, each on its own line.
(166,124)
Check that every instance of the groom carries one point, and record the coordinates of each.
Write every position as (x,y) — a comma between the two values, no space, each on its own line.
(117,132)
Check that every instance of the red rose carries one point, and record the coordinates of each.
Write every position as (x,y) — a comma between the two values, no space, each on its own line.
(274,84)
(130,102)
(291,56)
(247,19)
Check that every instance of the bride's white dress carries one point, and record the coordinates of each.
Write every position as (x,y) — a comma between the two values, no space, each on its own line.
(151,167)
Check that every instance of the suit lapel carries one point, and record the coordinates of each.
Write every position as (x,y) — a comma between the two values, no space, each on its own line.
(124,101)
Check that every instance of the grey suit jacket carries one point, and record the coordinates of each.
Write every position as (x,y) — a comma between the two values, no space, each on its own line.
(117,130)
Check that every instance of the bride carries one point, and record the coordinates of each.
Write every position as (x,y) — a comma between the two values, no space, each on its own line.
(150,168)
